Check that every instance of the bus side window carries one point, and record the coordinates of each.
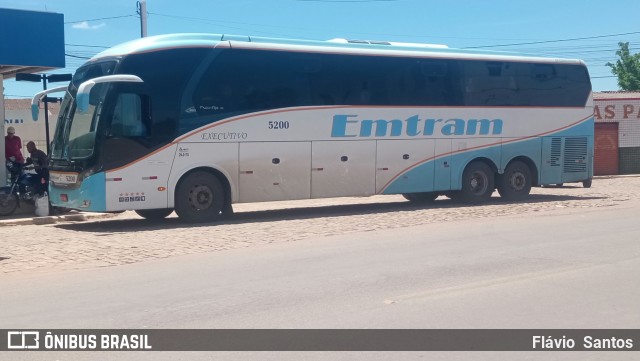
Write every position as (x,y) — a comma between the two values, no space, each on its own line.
(540,85)
(128,119)
(431,83)
(490,84)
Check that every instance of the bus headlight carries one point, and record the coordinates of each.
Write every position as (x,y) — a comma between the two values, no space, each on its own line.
(87,173)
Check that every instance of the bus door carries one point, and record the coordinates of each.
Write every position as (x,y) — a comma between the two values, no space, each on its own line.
(134,172)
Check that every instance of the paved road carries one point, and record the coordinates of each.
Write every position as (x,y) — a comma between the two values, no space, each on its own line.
(559,267)
(127,239)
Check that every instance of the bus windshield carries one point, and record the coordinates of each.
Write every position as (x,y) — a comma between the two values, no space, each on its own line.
(75,133)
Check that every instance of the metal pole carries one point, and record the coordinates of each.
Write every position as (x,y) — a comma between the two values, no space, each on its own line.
(142,10)
(3,170)
(46,114)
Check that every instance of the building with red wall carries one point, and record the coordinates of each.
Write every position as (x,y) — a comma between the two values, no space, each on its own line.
(617,133)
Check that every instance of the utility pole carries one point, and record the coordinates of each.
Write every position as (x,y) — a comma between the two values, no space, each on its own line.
(142,11)
(3,170)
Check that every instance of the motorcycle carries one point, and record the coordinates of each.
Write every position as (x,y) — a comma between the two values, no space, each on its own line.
(24,187)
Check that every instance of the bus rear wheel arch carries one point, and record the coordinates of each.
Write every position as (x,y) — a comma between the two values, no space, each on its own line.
(422,197)
(154,214)
(200,197)
(516,181)
(478,183)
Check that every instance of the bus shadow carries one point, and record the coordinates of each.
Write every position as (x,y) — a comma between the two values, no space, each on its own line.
(134,225)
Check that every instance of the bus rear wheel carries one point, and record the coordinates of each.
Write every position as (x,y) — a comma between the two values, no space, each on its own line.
(422,197)
(199,198)
(515,183)
(156,214)
(478,183)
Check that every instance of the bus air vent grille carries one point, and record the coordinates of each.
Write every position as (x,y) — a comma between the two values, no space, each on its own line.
(575,155)
(556,152)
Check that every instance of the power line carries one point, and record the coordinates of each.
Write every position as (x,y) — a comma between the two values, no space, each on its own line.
(551,41)
(209,21)
(107,18)
(215,21)
(88,46)
(202,19)
(347,1)
(76,56)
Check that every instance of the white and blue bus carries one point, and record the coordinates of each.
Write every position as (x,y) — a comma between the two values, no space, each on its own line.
(197,122)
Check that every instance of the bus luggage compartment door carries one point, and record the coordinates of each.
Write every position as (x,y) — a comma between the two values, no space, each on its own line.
(405,166)
(273,171)
(343,168)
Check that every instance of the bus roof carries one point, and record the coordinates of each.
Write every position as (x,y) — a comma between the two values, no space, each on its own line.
(339,46)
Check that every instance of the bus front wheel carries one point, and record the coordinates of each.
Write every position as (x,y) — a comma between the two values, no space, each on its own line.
(199,198)
(515,183)
(478,183)
(156,214)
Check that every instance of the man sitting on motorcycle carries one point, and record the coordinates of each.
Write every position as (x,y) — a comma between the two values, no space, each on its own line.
(40,165)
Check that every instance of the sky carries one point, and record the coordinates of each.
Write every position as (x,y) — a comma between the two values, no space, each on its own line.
(582,29)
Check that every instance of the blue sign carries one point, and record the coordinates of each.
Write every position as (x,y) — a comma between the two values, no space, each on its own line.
(31,38)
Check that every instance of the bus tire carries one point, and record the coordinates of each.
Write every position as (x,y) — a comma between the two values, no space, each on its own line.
(155,214)
(587,183)
(227,210)
(422,197)
(478,183)
(515,183)
(199,198)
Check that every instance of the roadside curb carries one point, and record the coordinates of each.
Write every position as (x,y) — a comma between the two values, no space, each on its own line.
(78,217)
(616,176)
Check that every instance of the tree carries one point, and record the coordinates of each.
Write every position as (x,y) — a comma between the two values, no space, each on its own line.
(627,68)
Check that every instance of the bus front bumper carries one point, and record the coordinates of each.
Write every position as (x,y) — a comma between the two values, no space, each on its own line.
(89,195)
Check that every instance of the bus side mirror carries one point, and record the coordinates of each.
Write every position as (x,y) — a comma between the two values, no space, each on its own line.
(84,90)
(35,102)
(82,100)
(35,110)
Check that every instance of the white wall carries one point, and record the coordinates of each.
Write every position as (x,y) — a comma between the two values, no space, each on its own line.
(28,129)
(625,112)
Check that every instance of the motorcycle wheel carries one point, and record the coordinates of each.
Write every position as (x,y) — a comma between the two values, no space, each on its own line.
(8,201)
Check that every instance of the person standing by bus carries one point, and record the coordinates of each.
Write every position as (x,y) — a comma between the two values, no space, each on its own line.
(13,146)
(13,153)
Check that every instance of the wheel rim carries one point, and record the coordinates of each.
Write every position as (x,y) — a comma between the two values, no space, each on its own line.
(200,197)
(6,199)
(479,183)
(518,181)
